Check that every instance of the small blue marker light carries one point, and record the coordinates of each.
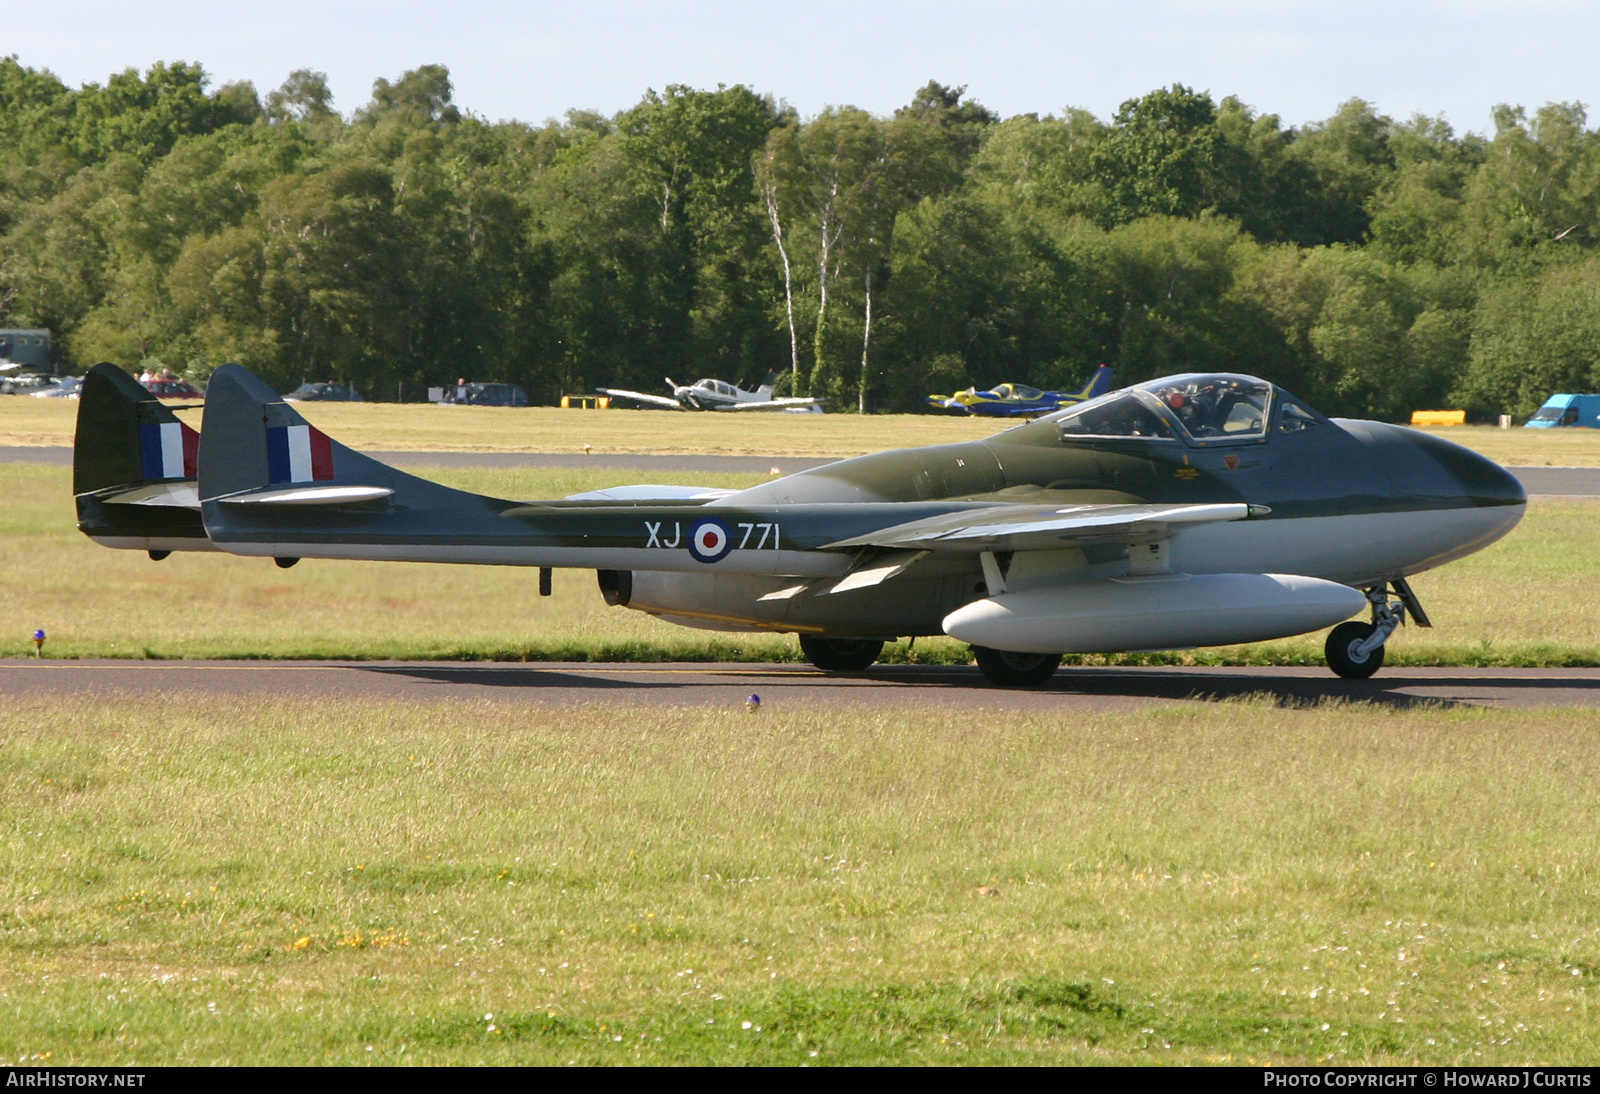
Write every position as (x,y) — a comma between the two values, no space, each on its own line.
(38,643)
(752,703)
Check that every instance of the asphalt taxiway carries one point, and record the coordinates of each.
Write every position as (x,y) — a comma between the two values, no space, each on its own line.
(897,687)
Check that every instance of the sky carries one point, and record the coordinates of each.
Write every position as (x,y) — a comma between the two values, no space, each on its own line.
(535,60)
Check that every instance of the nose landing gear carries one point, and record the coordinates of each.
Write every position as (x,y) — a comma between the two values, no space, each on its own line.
(1355,650)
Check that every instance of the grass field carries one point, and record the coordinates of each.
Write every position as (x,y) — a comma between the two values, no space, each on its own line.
(1520,602)
(425,428)
(197,880)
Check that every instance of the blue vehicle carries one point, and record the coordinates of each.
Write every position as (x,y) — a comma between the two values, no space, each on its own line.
(1567,410)
(1020,400)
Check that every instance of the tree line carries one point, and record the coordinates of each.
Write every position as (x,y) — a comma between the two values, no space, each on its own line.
(1372,266)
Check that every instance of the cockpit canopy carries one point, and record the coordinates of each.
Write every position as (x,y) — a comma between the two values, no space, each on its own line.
(1021,392)
(1201,408)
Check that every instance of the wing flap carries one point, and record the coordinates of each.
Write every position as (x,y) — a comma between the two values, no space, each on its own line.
(877,573)
(1042,527)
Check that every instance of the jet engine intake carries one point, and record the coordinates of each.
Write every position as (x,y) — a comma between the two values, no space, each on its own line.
(1171,611)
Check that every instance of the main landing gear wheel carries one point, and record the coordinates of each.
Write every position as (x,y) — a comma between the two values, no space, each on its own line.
(1343,651)
(840,654)
(1016,670)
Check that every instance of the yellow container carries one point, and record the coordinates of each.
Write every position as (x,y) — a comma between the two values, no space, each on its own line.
(1438,417)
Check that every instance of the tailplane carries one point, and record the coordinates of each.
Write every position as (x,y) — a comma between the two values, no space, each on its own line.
(134,468)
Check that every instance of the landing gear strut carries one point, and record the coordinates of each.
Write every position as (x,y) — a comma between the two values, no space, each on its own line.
(840,654)
(1355,650)
(1016,670)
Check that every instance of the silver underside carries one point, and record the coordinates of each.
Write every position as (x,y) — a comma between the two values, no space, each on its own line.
(1355,550)
(156,543)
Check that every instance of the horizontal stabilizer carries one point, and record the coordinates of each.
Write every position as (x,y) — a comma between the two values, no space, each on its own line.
(312,495)
(179,495)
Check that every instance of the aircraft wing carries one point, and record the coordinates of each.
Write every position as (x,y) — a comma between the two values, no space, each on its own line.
(1046,527)
(640,397)
(651,492)
(772,404)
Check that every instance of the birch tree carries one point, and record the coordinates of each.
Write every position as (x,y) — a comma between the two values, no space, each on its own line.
(767,182)
(819,171)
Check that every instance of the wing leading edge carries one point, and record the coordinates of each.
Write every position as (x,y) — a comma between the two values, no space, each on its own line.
(640,397)
(1045,527)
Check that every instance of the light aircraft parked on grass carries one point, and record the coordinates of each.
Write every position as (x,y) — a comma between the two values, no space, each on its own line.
(1020,400)
(1194,510)
(715,395)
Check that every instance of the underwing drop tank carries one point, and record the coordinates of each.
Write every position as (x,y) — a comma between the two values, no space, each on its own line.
(1169,611)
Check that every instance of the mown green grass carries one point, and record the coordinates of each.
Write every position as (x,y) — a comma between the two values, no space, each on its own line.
(1522,602)
(197,879)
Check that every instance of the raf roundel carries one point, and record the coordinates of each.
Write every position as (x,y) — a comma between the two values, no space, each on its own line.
(709,540)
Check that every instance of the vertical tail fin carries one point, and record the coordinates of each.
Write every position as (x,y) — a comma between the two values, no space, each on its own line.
(134,467)
(1099,383)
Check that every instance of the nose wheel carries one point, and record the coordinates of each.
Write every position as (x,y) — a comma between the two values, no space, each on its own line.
(1355,650)
(1348,652)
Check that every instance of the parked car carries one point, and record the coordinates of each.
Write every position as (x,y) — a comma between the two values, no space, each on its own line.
(172,389)
(323,393)
(484,395)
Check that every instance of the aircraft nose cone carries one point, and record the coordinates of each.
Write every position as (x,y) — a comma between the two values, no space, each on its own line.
(1476,477)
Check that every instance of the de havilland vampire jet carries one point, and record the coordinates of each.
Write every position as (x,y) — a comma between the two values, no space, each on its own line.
(1194,510)
(716,395)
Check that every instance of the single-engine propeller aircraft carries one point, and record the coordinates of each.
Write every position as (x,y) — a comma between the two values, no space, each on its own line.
(1194,510)
(715,395)
(1020,400)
